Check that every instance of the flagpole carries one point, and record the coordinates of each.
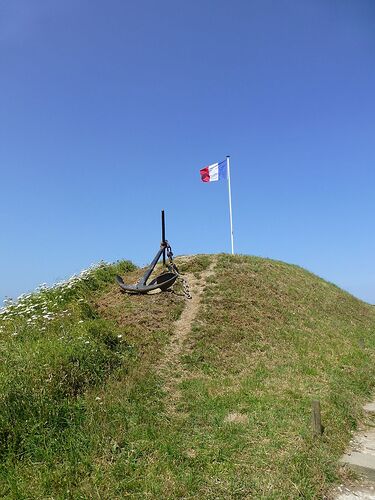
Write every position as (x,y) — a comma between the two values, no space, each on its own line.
(230,205)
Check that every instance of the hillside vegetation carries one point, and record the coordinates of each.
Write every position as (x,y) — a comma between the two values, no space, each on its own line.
(88,409)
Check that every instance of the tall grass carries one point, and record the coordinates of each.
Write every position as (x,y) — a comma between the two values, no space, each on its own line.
(53,347)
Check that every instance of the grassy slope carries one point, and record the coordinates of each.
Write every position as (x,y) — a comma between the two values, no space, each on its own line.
(65,380)
(271,338)
(88,420)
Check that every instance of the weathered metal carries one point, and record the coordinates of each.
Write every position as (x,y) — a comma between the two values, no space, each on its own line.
(165,280)
(163,233)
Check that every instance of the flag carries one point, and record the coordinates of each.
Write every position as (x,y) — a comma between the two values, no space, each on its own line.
(214,172)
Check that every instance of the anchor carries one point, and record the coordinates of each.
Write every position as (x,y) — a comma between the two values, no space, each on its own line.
(165,280)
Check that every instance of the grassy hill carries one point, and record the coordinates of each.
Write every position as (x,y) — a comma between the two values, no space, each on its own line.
(106,395)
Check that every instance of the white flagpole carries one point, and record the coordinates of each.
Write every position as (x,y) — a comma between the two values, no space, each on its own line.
(230,205)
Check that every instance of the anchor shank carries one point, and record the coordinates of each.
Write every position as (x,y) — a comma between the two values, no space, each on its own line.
(147,274)
(163,234)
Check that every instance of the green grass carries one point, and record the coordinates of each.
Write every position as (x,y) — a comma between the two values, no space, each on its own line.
(84,411)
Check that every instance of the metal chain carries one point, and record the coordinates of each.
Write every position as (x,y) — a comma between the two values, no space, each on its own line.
(173,268)
(185,288)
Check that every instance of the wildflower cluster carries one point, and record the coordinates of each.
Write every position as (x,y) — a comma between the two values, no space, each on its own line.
(46,304)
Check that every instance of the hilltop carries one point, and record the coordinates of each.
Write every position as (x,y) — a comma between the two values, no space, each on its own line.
(108,395)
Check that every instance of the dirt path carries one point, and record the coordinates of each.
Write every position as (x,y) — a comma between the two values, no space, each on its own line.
(170,368)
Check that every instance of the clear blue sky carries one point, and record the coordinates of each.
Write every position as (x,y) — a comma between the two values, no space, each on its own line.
(109,110)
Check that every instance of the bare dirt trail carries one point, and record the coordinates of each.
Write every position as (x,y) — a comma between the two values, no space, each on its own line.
(170,368)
